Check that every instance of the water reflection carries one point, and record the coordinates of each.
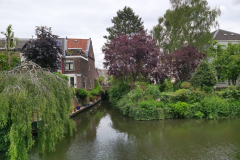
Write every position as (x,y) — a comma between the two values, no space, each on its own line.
(104,133)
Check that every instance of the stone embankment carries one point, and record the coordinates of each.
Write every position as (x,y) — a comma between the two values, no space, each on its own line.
(83,108)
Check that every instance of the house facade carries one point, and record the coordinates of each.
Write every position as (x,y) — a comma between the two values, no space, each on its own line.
(78,63)
(224,37)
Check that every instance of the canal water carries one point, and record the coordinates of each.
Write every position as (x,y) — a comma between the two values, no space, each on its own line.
(103,133)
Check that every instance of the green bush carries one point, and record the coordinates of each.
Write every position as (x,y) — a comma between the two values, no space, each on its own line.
(185,85)
(176,86)
(203,75)
(195,96)
(215,107)
(149,110)
(195,110)
(231,93)
(82,93)
(208,89)
(117,91)
(97,89)
(90,98)
(180,109)
(182,95)
(167,86)
(154,91)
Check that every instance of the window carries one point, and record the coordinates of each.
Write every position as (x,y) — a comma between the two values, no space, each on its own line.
(83,83)
(229,82)
(90,83)
(72,81)
(69,64)
(89,68)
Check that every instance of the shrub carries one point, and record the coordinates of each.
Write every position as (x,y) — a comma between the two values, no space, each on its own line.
(82,93)
(117,91)
(182,95)
(203,75)
(198,114)
(180,109)
(215,107)
(97,88)
(185,85)
(196,110)
(149,110)
(154,91)
(176,86)
(208,89)
(195,96)
(90,98)
(231,93)
(167,86)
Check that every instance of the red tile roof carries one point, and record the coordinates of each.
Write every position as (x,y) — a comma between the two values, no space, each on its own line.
(80,43)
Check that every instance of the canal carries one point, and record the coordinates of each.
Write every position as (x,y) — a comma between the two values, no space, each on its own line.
(103,133)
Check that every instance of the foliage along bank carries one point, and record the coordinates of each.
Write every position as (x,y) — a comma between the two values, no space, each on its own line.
(146,102)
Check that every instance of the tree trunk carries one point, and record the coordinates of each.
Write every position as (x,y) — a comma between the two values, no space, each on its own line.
(8,50)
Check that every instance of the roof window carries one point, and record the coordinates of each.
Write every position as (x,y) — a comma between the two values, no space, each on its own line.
(225,34)
(75,40)
(232,34)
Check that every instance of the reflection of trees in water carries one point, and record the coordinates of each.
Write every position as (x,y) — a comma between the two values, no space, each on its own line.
(170,128)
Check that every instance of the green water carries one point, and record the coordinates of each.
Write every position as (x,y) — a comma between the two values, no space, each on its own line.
(103,133)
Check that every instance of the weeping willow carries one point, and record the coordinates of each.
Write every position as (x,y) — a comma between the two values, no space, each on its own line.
(30,93)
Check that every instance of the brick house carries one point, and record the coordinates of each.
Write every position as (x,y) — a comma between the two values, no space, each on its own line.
(78,63)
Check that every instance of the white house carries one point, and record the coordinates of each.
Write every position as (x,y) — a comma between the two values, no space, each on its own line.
(224,37)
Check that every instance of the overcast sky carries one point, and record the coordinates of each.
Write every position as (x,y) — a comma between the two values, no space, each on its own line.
(90,18)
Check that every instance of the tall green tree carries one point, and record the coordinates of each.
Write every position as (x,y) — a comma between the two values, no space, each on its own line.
(188,21)
(226,60)
(9,34)
(125,22)
(203,76)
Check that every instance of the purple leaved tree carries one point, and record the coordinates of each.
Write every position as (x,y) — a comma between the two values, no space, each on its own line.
(131,56)
(182,63)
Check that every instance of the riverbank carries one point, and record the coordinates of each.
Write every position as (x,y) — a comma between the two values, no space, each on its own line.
(104,133)
(83,108)
(146,102)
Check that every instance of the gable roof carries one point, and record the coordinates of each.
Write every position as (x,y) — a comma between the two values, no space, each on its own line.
(221,34)
(77,43)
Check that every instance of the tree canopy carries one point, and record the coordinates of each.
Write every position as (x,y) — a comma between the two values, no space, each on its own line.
(203,76)
(182,63)
(29,93)
(125,22)
(44,50)
(136,55)
(226,60)
(188,21)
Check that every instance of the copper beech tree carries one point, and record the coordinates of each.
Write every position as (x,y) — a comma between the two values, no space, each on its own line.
(131,56)
(182,63)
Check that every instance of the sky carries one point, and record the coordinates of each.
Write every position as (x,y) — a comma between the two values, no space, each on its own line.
(90,18)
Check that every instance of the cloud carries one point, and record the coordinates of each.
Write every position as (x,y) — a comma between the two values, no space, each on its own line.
(89,19)
(222,8)
(236,2)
